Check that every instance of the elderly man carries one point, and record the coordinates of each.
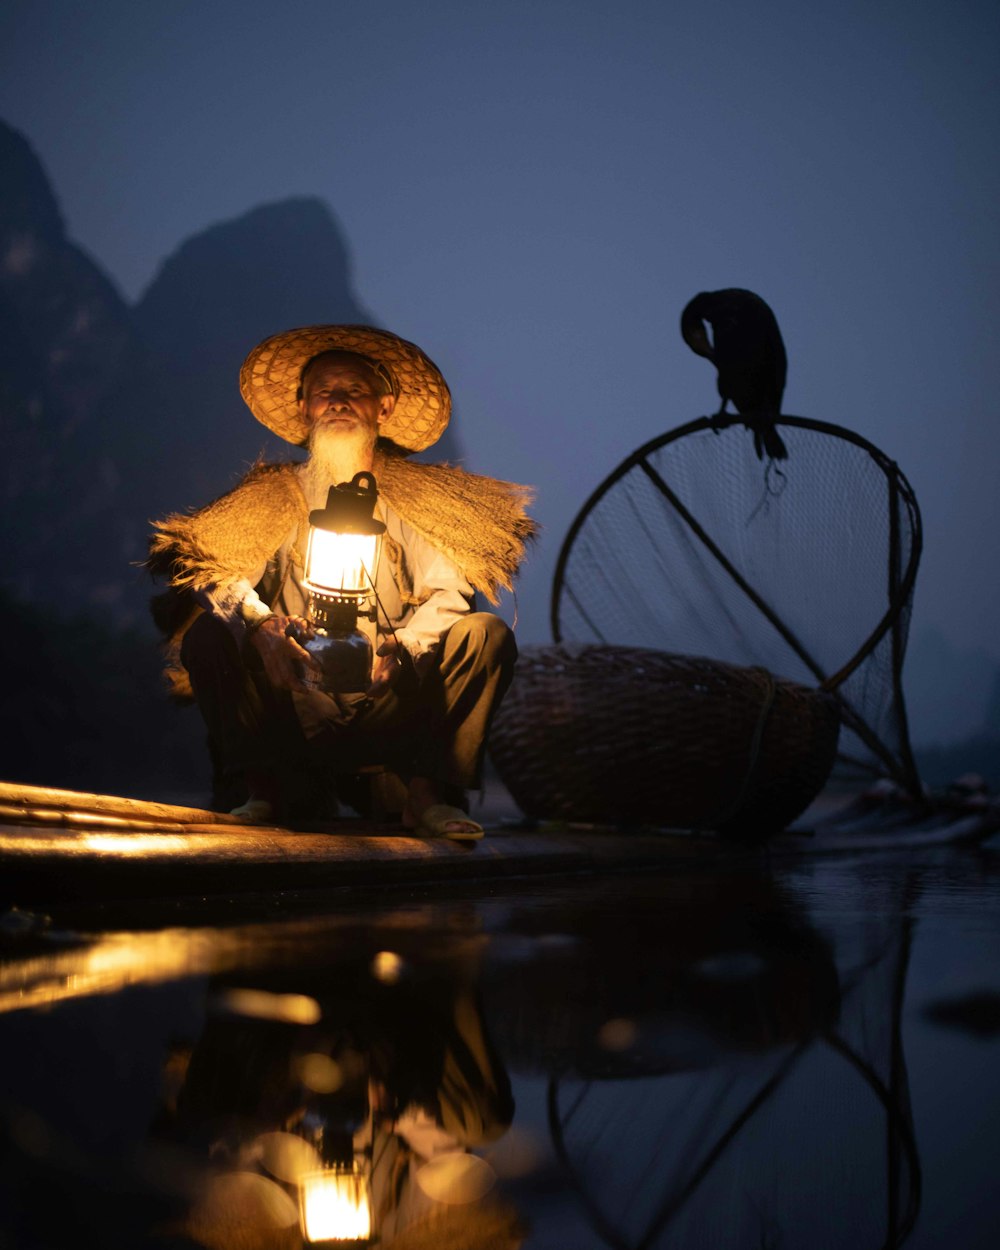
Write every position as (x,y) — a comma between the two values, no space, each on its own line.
(360,399)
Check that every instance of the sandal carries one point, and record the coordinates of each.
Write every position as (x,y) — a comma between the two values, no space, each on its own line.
(255,811)
(433,824)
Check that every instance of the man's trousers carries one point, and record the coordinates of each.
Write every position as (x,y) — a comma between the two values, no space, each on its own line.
(434,726)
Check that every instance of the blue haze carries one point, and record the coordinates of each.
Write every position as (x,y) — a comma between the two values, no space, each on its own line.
(533,190)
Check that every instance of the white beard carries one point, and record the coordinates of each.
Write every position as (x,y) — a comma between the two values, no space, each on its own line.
(336,455)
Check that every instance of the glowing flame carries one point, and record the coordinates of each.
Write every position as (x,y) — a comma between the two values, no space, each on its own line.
(338,562)
(335,1207)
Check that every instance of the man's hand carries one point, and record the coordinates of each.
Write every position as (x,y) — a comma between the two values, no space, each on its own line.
(387,666)
(276,641)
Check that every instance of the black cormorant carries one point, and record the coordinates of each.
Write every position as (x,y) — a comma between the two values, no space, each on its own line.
(747,350)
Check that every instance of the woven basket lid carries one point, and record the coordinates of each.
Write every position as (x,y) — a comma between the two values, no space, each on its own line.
(269,382)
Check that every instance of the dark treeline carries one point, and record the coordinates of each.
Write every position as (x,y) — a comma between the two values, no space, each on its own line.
(978,753)
(84,707)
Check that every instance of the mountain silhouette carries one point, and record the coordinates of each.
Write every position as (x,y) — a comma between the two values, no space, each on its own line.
(64,334)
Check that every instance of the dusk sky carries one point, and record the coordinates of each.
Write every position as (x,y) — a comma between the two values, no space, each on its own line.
(532,192)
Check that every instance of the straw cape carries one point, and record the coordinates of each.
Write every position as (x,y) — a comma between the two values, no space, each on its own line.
(480,523)
(271,374)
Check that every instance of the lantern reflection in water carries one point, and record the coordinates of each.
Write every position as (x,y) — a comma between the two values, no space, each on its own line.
(335,1208)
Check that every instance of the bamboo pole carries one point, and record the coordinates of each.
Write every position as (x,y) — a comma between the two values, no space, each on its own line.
(17,801)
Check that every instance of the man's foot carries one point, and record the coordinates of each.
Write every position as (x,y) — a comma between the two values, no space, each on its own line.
(255,811)
(441,820)
(261,808)
(429,816)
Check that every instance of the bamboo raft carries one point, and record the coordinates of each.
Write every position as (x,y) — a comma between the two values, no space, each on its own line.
(69,846)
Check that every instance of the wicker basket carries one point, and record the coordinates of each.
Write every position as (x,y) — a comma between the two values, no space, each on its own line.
(623,736)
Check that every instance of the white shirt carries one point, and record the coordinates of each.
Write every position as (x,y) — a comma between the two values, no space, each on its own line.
(441,593)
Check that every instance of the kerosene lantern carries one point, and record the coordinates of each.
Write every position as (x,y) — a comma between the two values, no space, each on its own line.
(341,559)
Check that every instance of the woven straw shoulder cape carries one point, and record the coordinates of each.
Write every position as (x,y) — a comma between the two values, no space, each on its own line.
(480,523)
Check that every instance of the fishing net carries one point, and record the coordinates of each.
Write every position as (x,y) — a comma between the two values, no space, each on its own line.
(694,546)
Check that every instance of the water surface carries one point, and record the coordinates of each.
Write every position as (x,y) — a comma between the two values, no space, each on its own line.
(804,1055)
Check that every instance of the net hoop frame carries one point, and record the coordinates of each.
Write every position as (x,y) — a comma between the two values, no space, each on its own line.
(901,1143)
(904,770)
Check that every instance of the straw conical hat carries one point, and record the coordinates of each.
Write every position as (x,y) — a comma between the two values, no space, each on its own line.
(269,382)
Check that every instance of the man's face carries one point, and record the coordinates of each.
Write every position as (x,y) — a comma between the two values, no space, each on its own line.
(343,395)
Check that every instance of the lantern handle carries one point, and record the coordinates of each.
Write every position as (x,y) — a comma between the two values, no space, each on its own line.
(364,481)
